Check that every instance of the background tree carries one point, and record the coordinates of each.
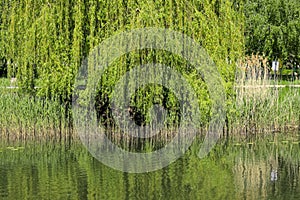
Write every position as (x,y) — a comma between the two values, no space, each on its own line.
(273,28)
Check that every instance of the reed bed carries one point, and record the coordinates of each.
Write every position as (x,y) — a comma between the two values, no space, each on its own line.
(261,105)
(259,108)
(25,116)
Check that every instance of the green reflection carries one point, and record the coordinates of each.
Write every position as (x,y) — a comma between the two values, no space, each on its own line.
(235,169)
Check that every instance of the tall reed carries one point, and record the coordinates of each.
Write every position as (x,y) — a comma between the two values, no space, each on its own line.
(25,116)
(261,104)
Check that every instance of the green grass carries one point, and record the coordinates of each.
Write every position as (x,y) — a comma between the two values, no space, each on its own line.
(4,82)
(283,82)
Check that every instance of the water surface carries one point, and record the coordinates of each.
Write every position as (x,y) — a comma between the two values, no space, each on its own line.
(255,168)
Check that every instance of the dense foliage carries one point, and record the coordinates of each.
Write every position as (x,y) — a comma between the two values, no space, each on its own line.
(44,42)
(273,28)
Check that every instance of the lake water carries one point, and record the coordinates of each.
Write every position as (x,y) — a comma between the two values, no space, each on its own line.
(256,168)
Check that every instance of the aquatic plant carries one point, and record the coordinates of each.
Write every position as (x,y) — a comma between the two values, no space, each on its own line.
(262,105)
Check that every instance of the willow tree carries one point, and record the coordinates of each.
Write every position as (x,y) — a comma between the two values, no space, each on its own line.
(217,25)
(46,41)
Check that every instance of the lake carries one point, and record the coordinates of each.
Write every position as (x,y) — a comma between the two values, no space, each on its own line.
(237,168)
